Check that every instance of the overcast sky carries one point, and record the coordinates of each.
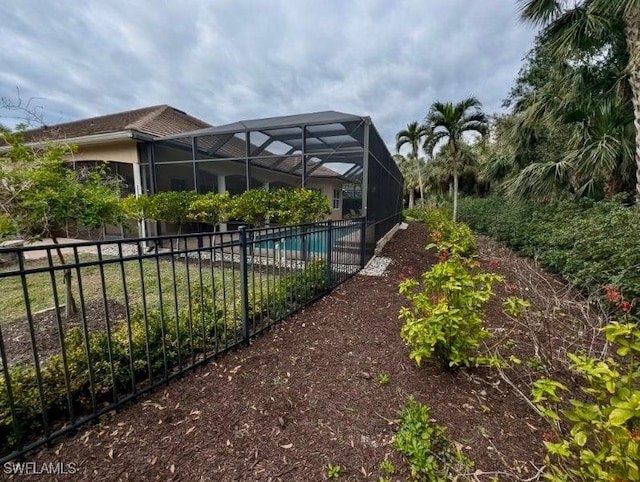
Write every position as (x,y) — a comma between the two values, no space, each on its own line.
(229,60)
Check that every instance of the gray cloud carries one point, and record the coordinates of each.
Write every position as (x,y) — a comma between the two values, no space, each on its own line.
(227,60)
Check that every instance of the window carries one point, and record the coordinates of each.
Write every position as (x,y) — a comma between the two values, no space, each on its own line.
(336,198)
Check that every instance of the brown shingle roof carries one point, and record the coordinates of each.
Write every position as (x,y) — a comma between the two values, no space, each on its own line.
(158,120)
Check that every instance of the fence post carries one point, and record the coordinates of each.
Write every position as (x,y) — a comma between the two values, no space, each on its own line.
(9,390)
(303,241)
(244,285)
(363,241)
(329,254)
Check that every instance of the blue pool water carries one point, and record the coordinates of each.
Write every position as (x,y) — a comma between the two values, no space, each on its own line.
(316,242)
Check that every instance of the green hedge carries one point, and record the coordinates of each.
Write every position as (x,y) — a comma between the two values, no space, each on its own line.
(255,207)
(140,344)
(589,243)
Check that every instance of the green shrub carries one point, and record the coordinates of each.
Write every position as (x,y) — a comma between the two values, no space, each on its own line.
(448,235)
(154,343)
(255,207)
(589,243)
(7,226)
(280,206)
(445,319)
(251,206)
(431,456)
(296,206)
(413,214)
(210,208)
(596,436)
(26,404)
(211,324)
(294,289)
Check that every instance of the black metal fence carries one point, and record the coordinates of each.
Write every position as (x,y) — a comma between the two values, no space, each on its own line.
(89,326)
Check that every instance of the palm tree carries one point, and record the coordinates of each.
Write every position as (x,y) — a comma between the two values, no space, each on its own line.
(448,121)
(411,174)
(598,158)
(581,28)
(413,135)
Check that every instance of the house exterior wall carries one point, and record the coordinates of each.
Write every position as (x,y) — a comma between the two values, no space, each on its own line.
(327,187)
(121,151)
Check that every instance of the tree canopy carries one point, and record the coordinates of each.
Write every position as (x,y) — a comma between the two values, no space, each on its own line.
(40,194)
(414,136)
(581,79)
(449,122)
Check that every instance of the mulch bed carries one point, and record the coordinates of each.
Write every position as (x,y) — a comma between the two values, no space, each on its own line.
(307,393)
(15,333)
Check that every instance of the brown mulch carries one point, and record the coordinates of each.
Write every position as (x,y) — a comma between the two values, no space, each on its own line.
(307,393)
(15,333)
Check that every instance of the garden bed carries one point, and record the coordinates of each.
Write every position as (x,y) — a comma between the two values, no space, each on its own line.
(308,393)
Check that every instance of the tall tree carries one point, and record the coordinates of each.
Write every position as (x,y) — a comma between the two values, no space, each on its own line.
(40,195)
(449,122)
(584,29)
(410,172)
(413,135)
(571,129)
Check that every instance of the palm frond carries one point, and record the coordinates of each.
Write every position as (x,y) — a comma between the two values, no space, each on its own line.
(412,135)
(540,181)
(540,12)
(464,105)
(434,138)
(578,30)
(616,7)
(498,167)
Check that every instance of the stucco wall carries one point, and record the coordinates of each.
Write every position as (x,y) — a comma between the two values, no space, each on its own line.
(327,186)
(121,151)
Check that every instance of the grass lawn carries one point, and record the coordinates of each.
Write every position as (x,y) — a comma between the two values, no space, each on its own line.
(166,277)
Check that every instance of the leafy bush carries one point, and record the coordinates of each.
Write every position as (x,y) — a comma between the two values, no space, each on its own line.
(447,235)
(295,289)
(170,206)
(211,208)
(413,213)
(430,454)
(153,343)
(296,206)
(589,243)
(40,195)
(445,321)
(596,437)
(254,207)
(7,226)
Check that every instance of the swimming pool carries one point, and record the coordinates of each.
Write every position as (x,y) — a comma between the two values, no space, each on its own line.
(296,240)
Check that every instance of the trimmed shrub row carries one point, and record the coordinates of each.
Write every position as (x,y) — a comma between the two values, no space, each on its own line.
(138,352)
(591,244)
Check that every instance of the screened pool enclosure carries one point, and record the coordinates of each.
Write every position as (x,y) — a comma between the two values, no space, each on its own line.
(340,154)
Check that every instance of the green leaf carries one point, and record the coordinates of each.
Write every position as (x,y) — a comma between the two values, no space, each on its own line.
(619,416)
(580,438)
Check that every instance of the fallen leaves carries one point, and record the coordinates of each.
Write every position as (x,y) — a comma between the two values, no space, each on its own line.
(151,403)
